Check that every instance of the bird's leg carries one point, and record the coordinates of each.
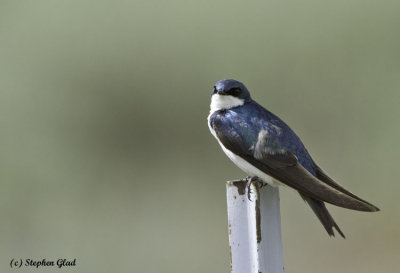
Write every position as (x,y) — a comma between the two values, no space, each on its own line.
(250,180)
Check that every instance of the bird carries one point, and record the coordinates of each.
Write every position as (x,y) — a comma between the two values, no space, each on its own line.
(264,146)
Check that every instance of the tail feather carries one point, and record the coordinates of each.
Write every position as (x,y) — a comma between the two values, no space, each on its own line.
(323,215)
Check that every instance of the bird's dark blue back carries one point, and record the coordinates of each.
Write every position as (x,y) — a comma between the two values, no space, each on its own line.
(248,120)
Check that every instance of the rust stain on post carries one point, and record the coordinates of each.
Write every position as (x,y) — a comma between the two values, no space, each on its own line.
(258,221)
(257,186)
(240,185)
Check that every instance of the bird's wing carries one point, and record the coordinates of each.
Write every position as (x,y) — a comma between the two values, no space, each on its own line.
(321,175)
(283,166)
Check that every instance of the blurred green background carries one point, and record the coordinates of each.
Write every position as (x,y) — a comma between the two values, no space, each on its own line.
(105,154)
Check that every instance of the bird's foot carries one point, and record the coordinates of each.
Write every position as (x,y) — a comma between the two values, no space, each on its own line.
(250,180)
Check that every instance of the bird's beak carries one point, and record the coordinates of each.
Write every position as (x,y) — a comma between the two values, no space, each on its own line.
(219,92)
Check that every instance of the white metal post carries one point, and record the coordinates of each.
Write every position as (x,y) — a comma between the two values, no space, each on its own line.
(254,227)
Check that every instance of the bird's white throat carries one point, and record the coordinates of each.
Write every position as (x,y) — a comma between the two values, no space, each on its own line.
(219,102)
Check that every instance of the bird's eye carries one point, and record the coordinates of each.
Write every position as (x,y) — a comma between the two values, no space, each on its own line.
(214,91)
(235,91)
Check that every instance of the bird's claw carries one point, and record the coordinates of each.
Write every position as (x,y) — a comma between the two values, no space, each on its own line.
(250,181)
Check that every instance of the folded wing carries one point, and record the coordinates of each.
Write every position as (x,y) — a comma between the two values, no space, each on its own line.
(285,167)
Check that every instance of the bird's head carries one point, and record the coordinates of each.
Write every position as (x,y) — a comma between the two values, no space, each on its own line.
(228,94)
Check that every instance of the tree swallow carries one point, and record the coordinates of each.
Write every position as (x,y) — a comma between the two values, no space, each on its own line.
(262,145)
